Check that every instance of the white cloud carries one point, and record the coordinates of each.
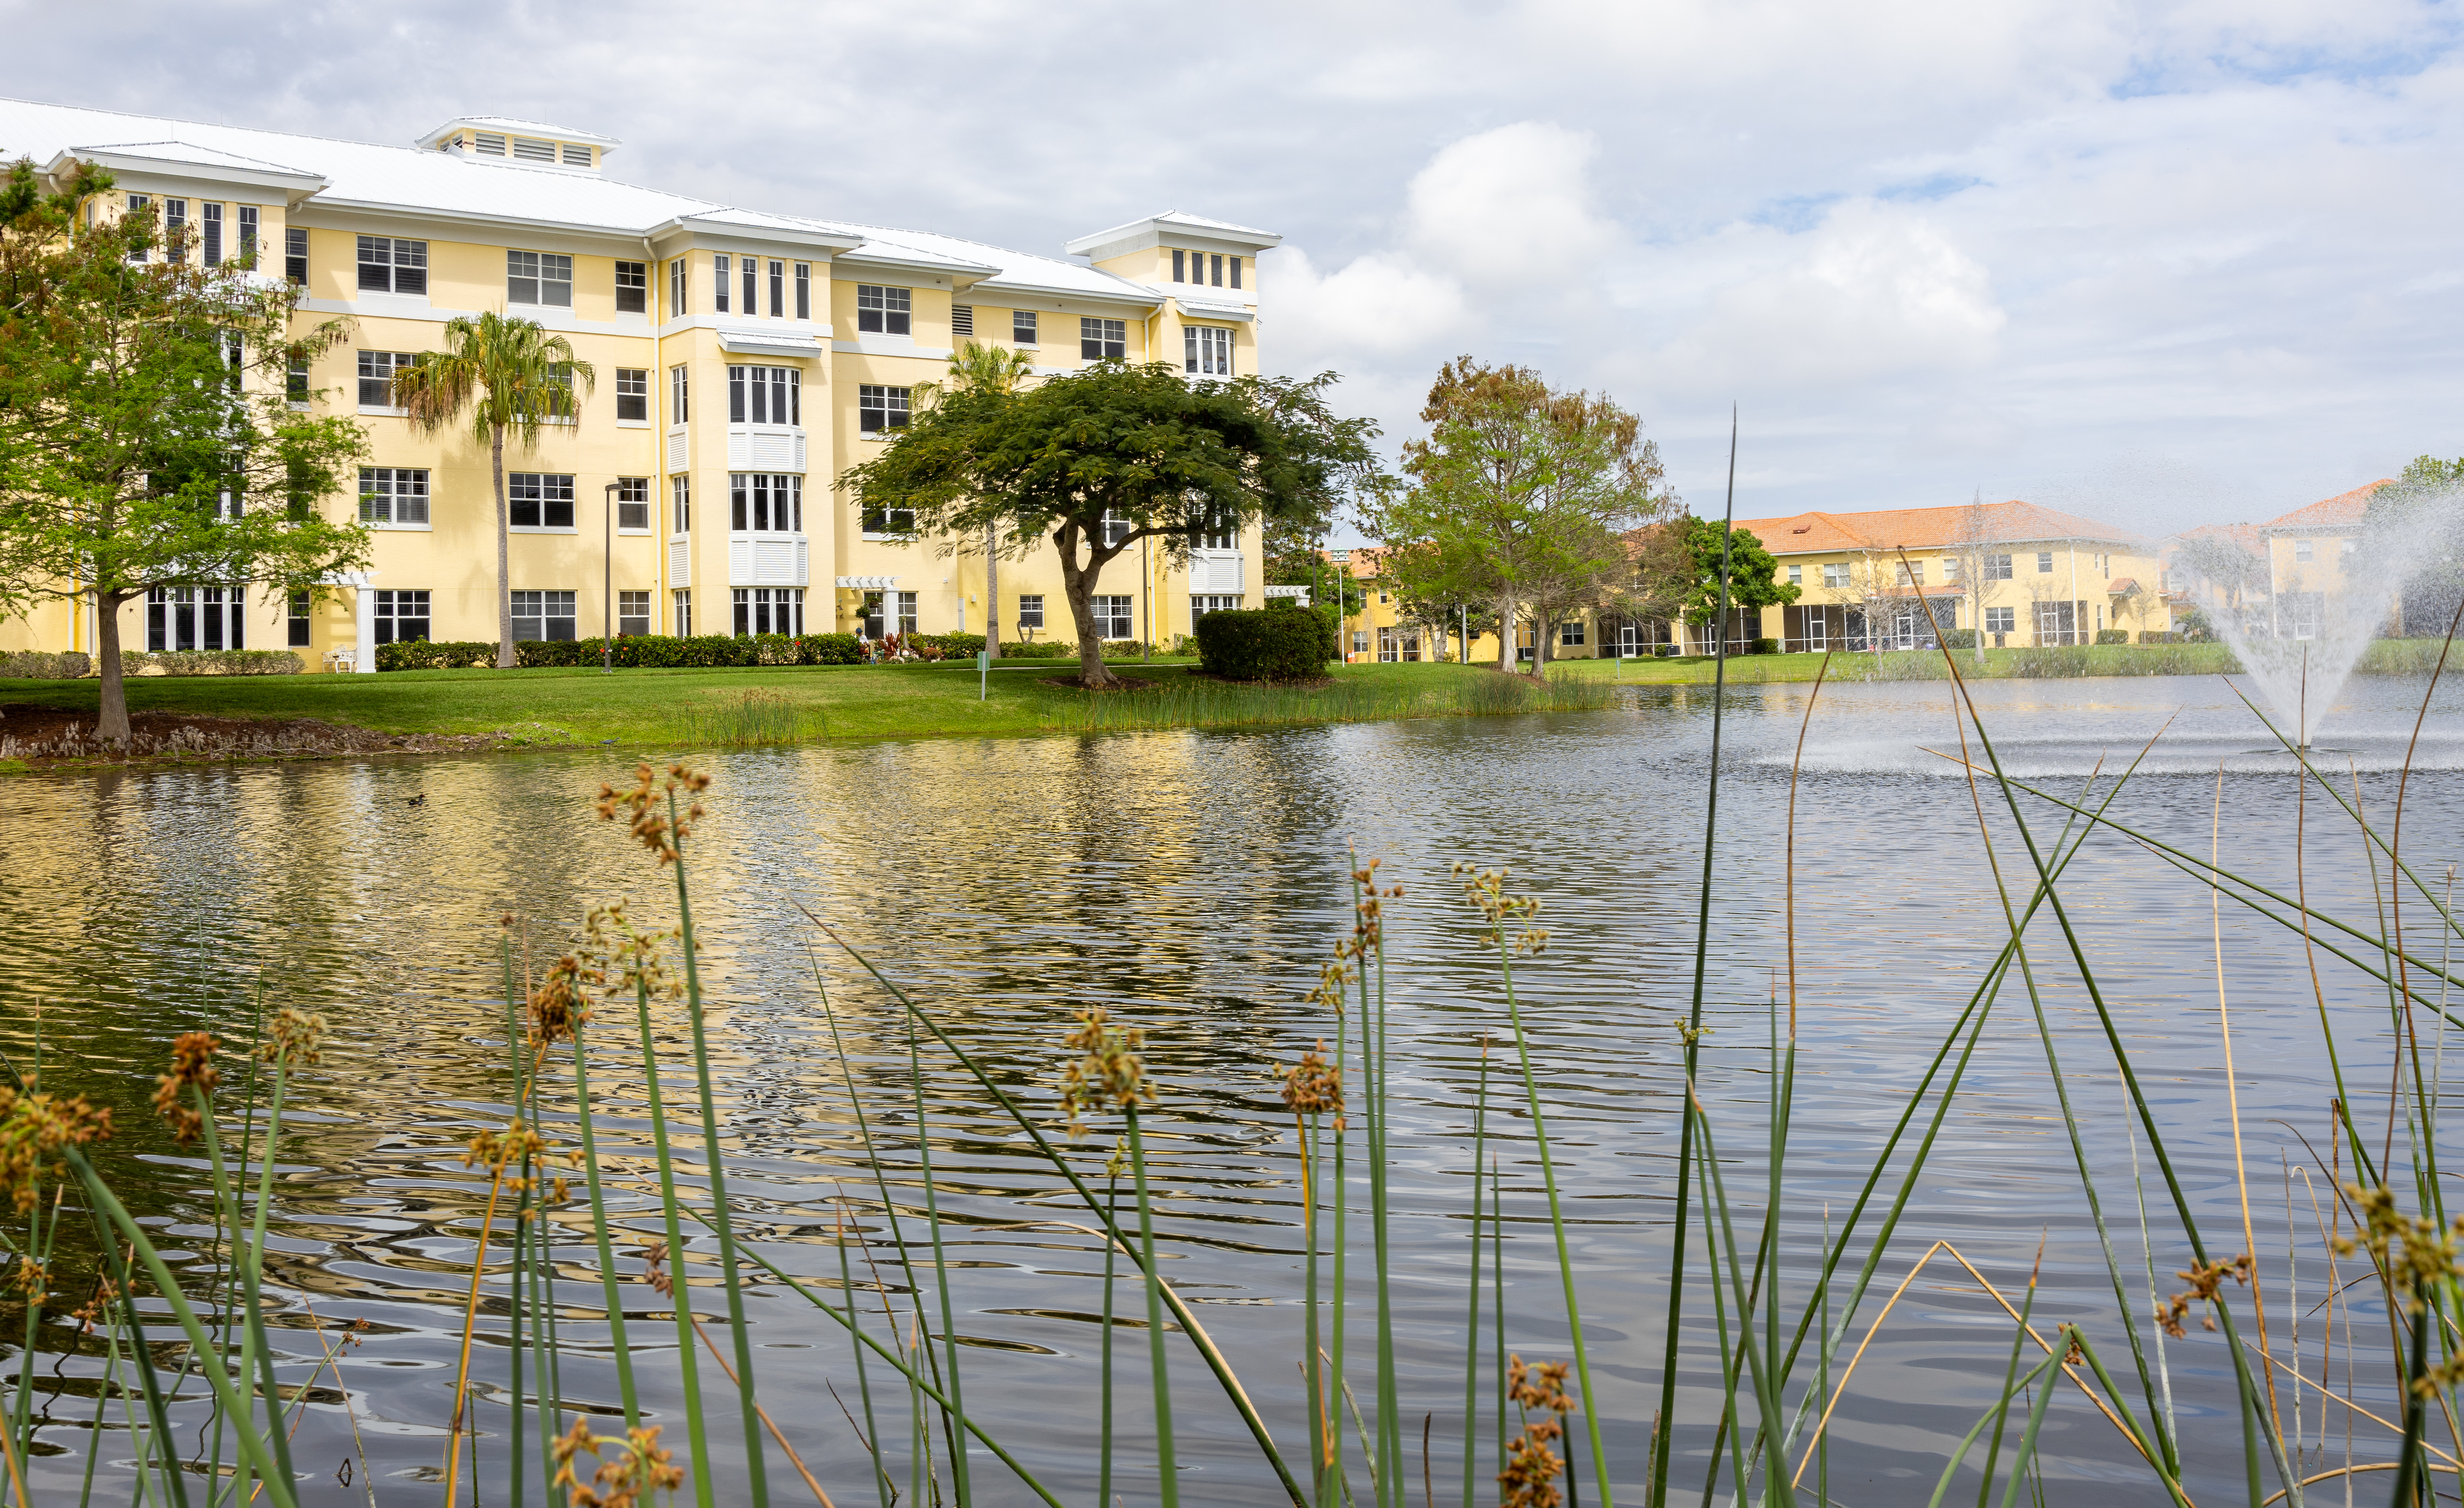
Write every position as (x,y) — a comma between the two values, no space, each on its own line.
(1914,240)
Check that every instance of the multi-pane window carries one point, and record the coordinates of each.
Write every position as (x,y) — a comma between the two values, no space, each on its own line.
(888,613)
(1997,568)
(1570,631)
(1030,610)
(393,494)
(763,502)
(1204,267)
(777,289)
(804,289)
(175,227)
(633,393)
(679,396)
(140,207)
(752,265)
(2001,620)
(402,617)
(1202,605)
(769,610)
(388,265)
(881,311)
(680,502)
(765,395)
(295,254)
(179,617)
(2302,551)
(633,505)
(211,235)
(1021,326)
(1114,528)
(295,382)
(962,319)
(248,230)
(1103,340)
(1835,574)
(880,409)
(718,265)
(684,611)
(543,278)
(1113,618)
(1206,350)
(2044,562)
(298,622)
(1219,538)
(678,280)
(540,500)
(633,612)
(632,288)
(1911,573)
(376,376)
(1796,576)
(889,520)
(544,616)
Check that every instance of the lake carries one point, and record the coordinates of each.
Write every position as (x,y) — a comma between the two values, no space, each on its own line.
(1192,882)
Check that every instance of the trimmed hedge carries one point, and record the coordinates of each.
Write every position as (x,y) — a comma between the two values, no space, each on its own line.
(634,652)
(2149,636)
(38,665)
(1041,649)
(1277,642)
(211,662)
(2113,636)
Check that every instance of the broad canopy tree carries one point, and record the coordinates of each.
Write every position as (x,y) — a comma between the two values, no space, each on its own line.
(146,436)
(1753,576)
(1521,492)
(1098,459)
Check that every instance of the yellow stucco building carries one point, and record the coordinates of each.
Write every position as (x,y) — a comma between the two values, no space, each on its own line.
(2029,575)
(744,359)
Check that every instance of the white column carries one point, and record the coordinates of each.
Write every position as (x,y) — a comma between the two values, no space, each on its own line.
(366,661)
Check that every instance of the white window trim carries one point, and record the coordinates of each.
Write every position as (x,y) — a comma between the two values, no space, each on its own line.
(552,529)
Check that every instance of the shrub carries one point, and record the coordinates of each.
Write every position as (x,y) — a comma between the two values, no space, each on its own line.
(211,662)
(1272,644)
(38,665)
(1959,638)
(1127,649)
(2151,637)
(956,646)
(1048,649)
(2113,636)
(421,654)
(1766,647)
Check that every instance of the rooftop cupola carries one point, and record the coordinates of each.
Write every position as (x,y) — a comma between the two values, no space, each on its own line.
(523,144)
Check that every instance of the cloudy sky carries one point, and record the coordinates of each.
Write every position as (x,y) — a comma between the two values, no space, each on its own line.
(2162,262)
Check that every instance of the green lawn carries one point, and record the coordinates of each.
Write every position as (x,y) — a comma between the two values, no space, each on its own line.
(654,706)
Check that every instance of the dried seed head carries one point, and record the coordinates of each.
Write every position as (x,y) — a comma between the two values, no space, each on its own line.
(295,1036)
(192,1067)
(1109,1074)
(1313,1086)
(648,801)
(33,1127)
(498,1150)
(638,1467)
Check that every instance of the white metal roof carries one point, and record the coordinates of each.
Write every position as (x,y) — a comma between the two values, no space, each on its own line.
(1158,226)
(513,127)
(408,179)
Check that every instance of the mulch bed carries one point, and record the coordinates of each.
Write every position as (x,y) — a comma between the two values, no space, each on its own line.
(48,736)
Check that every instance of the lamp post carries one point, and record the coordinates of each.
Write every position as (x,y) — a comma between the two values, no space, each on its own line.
(607,584)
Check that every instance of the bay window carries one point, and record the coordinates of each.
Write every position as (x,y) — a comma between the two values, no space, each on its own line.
(769,610)
(765,395)
(1206,350)
(761,502)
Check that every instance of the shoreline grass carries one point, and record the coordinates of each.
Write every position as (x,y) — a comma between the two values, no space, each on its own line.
(738,708)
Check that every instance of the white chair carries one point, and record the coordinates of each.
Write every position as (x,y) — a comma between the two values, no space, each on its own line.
(341,659)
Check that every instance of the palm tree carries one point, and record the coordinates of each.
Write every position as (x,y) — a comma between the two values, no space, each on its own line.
(978,367)
(509,375)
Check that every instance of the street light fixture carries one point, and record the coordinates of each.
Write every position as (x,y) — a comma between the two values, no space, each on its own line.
(607,585)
